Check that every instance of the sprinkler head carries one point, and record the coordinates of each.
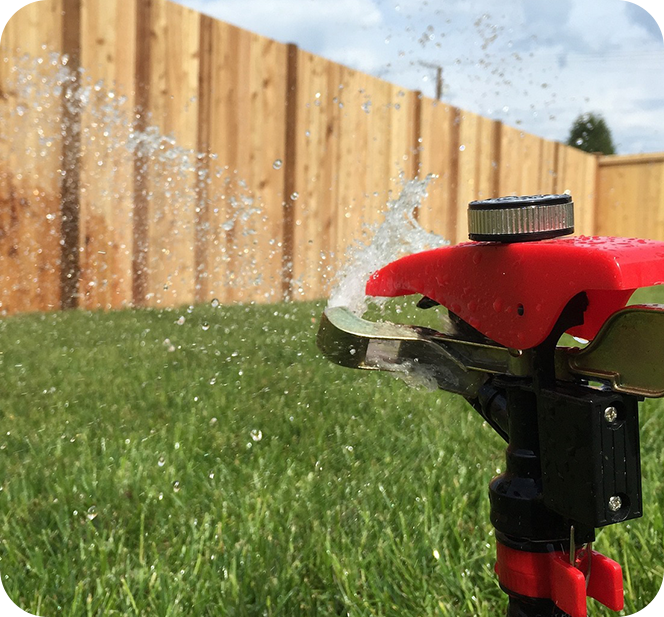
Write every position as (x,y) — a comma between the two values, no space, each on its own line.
(521,219)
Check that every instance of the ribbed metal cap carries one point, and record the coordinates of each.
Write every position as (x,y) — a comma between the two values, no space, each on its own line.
(521,219)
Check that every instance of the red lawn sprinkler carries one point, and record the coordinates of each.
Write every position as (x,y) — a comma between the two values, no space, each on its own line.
(569,415)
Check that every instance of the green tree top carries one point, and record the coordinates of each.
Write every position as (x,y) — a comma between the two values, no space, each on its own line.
(590,133)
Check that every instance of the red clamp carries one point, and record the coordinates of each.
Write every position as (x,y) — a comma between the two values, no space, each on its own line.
(552,576)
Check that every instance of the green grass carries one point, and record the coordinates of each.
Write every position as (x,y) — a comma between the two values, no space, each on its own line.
(361,497)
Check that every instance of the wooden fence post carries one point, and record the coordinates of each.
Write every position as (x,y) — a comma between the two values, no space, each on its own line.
(556,167)
(417,141)
(70,268)
(496,154)
(202,213)
(455,137)
(140,210)
(417,133)
(290,172)
(596,202)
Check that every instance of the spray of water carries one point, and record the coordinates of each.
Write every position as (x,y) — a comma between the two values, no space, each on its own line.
(109,136)
(54,105)
(397,235)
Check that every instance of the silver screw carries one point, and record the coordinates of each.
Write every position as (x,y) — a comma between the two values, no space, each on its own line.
(615,503)
(611,414)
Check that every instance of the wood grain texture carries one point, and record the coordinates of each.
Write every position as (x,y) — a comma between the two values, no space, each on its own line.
(548,169)
(257,243)
(226,88)
(140,210)
(108,55)
(318,123)
(439,160)
(246,190)
(470,153)
(521,163)
(70,211)
(31,147)
(477,167)
(577,174)
(623,159)
(202,235)
(291,162)
(358,144)
(172,154)
(631,198)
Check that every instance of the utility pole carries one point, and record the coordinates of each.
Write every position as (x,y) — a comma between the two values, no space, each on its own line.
(439,77)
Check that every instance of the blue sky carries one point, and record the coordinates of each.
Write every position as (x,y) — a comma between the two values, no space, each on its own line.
(535,64)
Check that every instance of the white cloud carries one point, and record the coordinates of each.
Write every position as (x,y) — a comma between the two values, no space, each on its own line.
(359,57)
(604,25)
(287,20)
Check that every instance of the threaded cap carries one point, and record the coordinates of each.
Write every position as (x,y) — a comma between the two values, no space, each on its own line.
(521,219)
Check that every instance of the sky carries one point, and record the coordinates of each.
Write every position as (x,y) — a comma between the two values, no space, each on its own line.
(534,64)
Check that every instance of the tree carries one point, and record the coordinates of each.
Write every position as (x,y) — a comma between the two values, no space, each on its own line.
(590,133)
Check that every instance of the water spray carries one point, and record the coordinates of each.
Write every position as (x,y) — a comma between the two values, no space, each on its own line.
(568,414)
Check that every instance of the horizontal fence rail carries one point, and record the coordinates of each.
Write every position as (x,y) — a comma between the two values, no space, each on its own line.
(154,156)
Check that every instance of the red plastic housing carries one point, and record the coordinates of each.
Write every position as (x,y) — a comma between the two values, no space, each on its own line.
(552,576)
(514,293)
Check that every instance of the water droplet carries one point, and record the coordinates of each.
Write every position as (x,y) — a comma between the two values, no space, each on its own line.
(177,445)
(176,486)
(294,196)
(277,164)
(214,303)
(180,320)
(161,496)
(211,475)
(161,462)
(213,421)
(205,326)
(436,554)
(462,148)
(256,435)
(92,513)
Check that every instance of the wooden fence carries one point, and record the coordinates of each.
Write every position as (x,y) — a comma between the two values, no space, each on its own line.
(150,155)
(630,196)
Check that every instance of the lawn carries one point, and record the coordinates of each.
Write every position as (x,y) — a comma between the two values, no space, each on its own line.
(208,461)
